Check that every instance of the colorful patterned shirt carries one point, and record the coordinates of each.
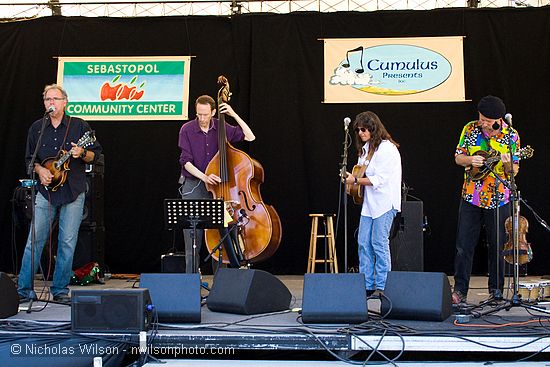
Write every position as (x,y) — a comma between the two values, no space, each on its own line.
(482,192)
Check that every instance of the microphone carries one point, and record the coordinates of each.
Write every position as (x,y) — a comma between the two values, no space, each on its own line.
(51,109)
(508,118)
(242,214)
(347,121)
(496,126)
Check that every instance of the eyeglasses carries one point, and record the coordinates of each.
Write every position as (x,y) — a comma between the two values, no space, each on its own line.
(54,99)
(362,129)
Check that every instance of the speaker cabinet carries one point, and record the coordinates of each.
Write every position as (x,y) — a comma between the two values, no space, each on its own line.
(334,298)
(9,302)
(176,297)
(93,214)
(407,241)
(172,263)
(247,292)
(417,296)
(90,246)
(110,310)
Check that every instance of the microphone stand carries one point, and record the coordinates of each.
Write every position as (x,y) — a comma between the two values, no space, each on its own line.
(32,174)
(343,166)
(514,200)
(219,246)
(541,221)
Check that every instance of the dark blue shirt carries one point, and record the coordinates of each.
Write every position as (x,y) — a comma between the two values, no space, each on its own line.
(52,142)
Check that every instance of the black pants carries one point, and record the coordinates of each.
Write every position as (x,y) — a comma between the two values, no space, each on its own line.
(470,220)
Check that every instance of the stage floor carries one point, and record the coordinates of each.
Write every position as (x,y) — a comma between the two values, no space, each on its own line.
(506,334)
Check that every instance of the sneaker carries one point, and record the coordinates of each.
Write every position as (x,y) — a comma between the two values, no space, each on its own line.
(370,292)
(458,298)
(62,298)
(495,294)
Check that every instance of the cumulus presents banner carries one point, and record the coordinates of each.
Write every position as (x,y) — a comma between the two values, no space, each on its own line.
(427,69)
(126,88)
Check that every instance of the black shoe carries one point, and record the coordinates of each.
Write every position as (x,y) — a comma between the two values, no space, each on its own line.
(379,293)
(370,292)
(62,298)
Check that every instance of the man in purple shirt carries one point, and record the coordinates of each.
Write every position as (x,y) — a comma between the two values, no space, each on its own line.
(198,141)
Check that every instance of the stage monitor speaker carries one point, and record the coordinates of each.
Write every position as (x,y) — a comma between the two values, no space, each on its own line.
(110,310)
(94,207)
(172,263)
(9,302)
(407,243)
(417,296)
(247,292)
(176,297)
(90,246)
(334,298)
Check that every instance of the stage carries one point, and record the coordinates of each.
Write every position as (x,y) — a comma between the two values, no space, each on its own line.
(508,335)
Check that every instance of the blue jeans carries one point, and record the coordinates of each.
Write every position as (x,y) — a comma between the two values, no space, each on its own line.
(374,249)
(70,216)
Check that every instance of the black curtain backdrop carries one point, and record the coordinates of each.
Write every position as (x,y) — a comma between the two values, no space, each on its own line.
(275,65)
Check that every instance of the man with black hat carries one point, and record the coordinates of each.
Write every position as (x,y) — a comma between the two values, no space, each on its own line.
(486,201)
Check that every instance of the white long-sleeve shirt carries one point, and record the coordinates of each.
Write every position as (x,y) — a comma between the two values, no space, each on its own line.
(384,172)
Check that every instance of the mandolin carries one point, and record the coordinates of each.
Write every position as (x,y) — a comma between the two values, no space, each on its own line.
(59,165)
(491,160)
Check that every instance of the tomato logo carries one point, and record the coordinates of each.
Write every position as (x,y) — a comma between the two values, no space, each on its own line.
(120,91)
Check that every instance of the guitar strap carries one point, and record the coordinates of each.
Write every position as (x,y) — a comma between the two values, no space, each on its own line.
(67,131)
(368,159)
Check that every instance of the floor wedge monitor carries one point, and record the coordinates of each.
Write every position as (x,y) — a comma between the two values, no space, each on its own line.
(247,292)
(176,297)
(334,298)
(413,295)
(9,301)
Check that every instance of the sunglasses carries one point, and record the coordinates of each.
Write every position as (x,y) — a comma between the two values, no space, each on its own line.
(362,129)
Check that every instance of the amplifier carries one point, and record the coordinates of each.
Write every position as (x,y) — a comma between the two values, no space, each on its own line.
(111,310)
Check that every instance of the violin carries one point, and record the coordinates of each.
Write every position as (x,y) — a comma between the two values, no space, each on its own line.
(525,252)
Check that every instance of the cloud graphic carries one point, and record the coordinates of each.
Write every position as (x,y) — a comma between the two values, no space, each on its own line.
(346,76)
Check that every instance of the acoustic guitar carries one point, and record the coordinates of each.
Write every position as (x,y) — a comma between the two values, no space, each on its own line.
(353,190)
(59,165)
(491,160)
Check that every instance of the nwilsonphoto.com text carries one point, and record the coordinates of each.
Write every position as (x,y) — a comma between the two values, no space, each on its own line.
(181,350)
(92,349)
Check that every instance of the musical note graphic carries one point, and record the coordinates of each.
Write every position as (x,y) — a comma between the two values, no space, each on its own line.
(347,64)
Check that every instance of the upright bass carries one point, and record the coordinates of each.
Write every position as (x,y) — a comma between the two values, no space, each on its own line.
(254,231)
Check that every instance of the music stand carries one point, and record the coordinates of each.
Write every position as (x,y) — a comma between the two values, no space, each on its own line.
(193,214)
